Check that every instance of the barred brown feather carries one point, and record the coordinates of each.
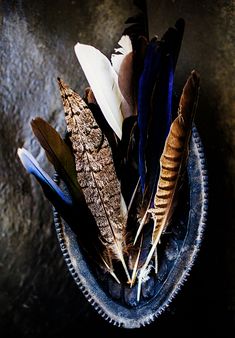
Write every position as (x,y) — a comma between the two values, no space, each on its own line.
(172,163)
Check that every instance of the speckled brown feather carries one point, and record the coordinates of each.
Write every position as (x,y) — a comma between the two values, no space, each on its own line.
(96,172)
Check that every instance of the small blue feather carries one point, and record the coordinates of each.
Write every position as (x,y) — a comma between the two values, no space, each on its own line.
(56,196)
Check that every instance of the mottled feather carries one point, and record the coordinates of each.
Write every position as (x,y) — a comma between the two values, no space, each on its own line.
(96,173)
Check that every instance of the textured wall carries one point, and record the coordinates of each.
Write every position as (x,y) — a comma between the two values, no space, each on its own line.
(37,296)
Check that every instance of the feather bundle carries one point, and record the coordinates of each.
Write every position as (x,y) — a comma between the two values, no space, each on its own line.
(123,149)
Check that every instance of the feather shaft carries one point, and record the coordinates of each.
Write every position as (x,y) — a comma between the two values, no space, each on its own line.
(134,272)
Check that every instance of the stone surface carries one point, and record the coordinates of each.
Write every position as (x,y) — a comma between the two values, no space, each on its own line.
(37,295)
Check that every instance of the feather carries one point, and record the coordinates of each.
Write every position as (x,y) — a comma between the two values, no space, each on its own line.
(125,82)
(155,102)
(143,221)
(63,203)
(104,84)
(128,149)
(147,81)
(135,262)
(160,121)
(123,65)
(129,72)
(59,154)
(108,132)
(96,174)
(124,49)
(137,25)
(85,229)
(173,161)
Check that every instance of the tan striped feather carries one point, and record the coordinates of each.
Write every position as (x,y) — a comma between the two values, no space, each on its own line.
(172,162)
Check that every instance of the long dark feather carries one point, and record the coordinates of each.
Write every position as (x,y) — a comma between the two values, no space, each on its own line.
(146,85)
(129,157)
(155,102)
(160,121)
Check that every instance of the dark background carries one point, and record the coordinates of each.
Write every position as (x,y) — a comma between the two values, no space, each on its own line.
(38,298)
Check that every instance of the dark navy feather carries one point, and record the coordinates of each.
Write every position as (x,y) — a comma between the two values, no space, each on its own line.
(161,117)
(155,102)
(147,82)
(128,150)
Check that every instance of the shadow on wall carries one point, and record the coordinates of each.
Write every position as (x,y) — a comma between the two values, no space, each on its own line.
(37,295)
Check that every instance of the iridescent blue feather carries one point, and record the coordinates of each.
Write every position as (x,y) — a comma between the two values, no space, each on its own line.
(62,202)
(155,103)
(147,81)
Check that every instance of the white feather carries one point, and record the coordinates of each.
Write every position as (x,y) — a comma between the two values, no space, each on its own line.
(124,49)
(103,81)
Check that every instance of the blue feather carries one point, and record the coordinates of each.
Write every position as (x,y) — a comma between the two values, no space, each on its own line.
(161,117)
(62,202)
(155,102)
(147,81)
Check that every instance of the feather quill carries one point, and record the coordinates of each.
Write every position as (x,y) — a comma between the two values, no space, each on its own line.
(96,174)
(104,83)
(173,162)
